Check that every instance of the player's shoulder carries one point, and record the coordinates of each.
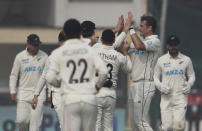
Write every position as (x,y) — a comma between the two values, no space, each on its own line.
(21,54)
(56,50)
(43,53)
(153,39)
(183,56)
(120,57)
(97,45)
(163,57)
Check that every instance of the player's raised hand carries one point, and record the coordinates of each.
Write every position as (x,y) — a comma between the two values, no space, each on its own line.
(128,22)
(120,24)
(13,97)
(34,102)
(130,15)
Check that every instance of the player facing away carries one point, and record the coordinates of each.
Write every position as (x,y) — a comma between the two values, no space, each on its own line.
(106,97)
(26,71)
(54,93)
(76,65)
(174,76)
(146,53)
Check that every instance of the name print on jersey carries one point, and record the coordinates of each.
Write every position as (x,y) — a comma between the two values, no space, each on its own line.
(108,56)
(71,52)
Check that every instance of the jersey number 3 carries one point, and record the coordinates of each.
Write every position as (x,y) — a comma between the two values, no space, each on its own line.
(110,68)
(82,77)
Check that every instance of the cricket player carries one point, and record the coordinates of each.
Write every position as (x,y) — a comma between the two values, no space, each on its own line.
(26,71)
(76,65)
(146,52)
(174,76)
(106,97)
(54,93)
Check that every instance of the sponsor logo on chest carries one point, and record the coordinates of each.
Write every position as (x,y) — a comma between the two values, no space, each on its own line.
(32,68)
(175,72)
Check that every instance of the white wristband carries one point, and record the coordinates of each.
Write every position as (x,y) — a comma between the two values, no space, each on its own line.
(132,31)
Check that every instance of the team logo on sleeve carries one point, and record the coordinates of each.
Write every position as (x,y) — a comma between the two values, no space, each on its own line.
(149,42)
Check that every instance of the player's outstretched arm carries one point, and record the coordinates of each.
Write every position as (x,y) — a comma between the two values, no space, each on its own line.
(159,85)
(119,25)
(126,61)
(14,76)
(42,81)
(139,45)
(119,40)
(190,73)
(191,78)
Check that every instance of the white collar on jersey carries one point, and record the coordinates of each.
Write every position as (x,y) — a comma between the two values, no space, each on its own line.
(31,55)
(179,56)
(150,37)
(72,41)
(107,47)
(86,40)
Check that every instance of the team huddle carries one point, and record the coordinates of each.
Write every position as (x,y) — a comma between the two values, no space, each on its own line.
(81,76)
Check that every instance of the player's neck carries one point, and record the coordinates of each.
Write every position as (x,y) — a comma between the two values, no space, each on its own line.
(107,44)
(148,34)
(174,55)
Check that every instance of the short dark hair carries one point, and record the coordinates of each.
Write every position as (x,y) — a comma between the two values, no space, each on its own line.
(87,28)
(61,36)
(108,36)
(173,40)
(151,21)
(72,28)
(33,39)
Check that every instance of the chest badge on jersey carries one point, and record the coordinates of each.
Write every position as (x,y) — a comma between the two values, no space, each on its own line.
(167,64)
(25,61)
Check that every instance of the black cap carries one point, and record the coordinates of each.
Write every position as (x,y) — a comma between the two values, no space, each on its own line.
(173,40)
(33,39)
(108,36)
